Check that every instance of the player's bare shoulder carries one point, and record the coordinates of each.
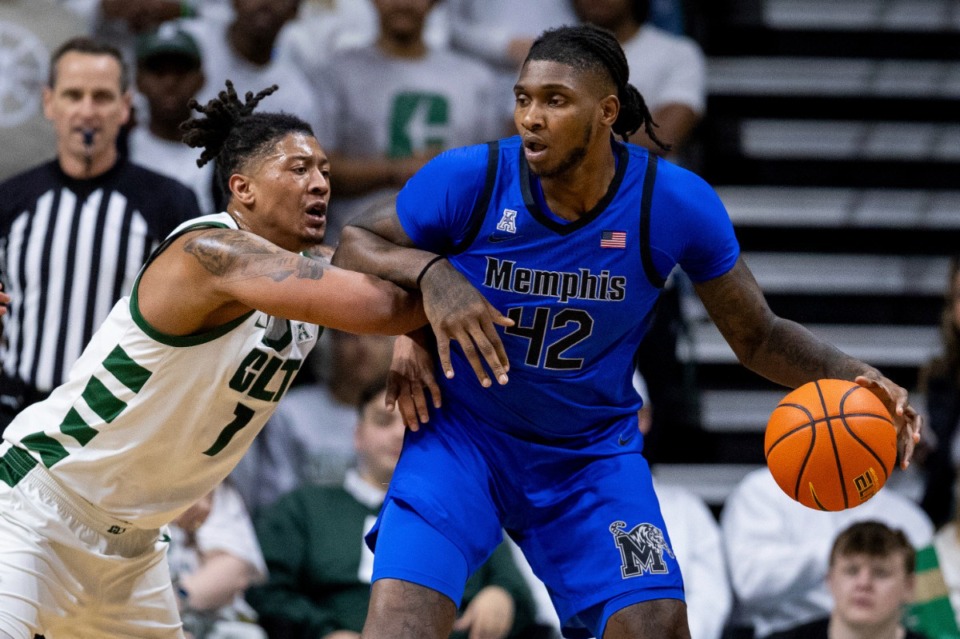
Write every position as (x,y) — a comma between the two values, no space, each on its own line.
(239,255)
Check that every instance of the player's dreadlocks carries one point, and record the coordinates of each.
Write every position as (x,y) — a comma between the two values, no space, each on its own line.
(590,47)
(232,134)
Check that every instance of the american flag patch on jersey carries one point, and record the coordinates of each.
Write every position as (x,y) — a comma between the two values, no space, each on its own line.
(613,239)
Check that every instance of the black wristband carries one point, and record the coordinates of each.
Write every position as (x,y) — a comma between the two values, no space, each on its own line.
(427,267)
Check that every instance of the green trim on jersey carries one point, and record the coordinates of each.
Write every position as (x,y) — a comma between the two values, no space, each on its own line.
(14,466)
(99,399)
(127,371)
(50,450)
(179,340)
(75,426)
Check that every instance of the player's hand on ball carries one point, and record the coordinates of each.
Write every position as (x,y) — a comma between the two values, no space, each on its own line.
(458,311)
(411,373)
(908,421)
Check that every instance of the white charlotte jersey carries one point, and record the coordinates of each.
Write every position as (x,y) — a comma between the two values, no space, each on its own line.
(148,423)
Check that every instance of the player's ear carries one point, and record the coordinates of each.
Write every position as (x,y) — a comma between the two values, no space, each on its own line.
(609,110)
(241,188)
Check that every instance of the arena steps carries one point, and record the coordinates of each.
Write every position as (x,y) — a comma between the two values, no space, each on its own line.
(878,344)
(832,137)
(713,482)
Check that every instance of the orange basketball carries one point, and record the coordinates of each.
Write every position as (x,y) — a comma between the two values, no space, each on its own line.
(830,444)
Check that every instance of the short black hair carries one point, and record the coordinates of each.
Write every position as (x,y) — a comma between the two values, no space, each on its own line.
(589,47)
(232,134)
(91,46)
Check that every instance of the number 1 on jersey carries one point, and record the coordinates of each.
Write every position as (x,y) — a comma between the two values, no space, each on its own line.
(242,416)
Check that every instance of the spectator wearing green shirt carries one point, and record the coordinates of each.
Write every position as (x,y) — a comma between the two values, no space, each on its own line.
(312,540)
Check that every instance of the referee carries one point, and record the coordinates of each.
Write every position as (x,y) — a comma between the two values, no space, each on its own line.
(74,231)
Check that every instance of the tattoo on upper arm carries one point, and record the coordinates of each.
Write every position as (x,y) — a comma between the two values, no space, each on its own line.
(237,255)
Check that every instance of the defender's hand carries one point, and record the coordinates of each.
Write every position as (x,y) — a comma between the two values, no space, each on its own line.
(411,372)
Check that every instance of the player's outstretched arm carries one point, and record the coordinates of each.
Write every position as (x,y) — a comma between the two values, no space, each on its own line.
(377,244)
(208,277)
(787,353)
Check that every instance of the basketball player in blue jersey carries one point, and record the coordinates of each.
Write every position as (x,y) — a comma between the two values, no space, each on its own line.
(569,234)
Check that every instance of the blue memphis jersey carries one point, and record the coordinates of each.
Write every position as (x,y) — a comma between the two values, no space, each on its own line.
(578,291)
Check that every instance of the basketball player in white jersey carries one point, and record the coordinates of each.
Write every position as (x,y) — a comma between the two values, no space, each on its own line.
(174,386)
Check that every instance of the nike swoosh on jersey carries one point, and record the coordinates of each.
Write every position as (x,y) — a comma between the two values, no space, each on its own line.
(502,238)
(624,440)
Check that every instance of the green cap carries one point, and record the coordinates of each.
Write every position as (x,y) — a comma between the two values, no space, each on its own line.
(168,40)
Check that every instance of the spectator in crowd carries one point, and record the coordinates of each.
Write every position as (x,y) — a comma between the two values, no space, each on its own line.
(940,388)
(320,569)
(391,106)
(871,580)
(119,22)
(947,547)
(243,49)
(169,74)
(778,550)
(31,29)
(500,33)
(309,439)
(74,231)
(214,557)
(325,26)
(669,70)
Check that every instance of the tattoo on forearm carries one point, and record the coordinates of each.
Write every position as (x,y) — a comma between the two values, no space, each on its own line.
(239,256)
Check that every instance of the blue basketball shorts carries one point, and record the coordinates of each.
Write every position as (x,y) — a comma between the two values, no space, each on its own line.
(583,511)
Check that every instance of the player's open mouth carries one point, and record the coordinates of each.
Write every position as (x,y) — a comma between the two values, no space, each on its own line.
(318,210)
(534,150)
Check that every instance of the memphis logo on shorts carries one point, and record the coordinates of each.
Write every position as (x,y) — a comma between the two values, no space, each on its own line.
(641,549)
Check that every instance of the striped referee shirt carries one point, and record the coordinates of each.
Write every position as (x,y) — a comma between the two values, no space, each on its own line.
(69,249)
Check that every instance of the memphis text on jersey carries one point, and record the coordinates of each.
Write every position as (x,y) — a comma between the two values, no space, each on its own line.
(582,284)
